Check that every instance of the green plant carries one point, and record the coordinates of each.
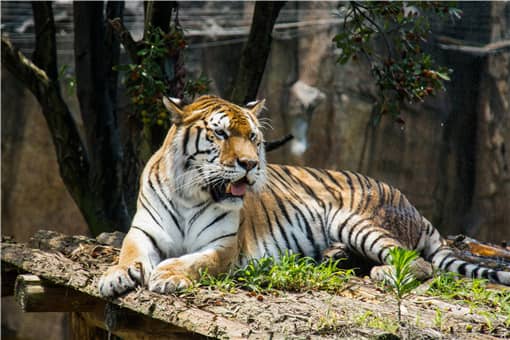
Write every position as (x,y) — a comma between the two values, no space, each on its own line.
(368,319)
(403,72)
(399,279)
(492,303)
(290,272)
(438,318)
(147,81)
(329,321)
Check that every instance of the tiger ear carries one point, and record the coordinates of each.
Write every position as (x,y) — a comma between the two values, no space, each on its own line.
(256,106)
(173,106)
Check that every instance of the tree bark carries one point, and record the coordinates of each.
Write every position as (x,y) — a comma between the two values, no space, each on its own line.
(255,53)
(93,62)
(491,194)
(71,154)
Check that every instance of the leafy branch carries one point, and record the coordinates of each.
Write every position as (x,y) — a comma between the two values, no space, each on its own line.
(403,72)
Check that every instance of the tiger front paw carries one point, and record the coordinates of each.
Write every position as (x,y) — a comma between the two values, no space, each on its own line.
(168,281)
(120,279)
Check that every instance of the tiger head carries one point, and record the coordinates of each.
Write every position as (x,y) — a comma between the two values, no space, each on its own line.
(217,150)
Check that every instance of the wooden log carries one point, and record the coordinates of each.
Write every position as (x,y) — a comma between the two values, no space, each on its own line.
(36,295)
(77,263)
(9,275)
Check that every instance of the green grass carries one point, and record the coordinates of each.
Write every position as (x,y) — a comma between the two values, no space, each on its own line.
(290,273)
(369,319)
(474,293)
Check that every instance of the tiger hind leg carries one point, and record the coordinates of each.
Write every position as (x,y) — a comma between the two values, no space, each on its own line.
(374,243)
(347,259)
(420,268)
(137,259)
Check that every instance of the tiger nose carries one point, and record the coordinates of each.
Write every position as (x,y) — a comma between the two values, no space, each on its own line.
(247,164)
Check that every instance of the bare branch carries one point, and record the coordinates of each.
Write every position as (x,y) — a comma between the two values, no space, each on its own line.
(275,144)
(24,69)
(126,39)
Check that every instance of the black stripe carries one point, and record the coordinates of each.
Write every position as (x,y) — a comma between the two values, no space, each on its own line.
(379,254)
(381,191)
(437,250)
(332,178)
(382,235)
(216,220)
(462,269)
(149,211)
(364,239)
(485,273)
(351,187)
(362,194)
(281,205)
(431,229)
(196,215)
(300,250)
(474,273)
(342,226)
(185,141)
(168,210)
(152,240)
(443,261)
(493,276)
(358,233)
(287,187)
(391,192)
(282,231)
(307,188)
(318,178)
(449,263)
(220,237)
(269,226)
(368,196)
(350,232)
(309,236)
(197,140)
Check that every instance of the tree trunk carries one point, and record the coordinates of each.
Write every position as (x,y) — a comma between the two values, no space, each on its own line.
(492,182)
(255,53)
(97,104)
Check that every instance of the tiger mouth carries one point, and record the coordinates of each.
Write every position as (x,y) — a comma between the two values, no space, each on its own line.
(226,189)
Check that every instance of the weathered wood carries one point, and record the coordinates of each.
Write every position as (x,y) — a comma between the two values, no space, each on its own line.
(207,312)
(9,275)
(82,329)
(36,295)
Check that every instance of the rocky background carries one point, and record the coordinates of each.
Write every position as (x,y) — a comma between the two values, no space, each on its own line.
(450,158)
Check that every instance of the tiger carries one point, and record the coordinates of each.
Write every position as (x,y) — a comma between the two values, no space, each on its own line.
(208,200)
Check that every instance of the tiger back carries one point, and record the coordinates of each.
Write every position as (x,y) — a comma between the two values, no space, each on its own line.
(208,200)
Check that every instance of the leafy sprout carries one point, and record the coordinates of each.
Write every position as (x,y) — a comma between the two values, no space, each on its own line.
(400,279)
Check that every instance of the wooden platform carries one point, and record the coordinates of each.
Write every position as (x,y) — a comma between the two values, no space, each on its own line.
(56,272)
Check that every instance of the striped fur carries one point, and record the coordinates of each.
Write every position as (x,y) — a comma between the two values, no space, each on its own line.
(182,226)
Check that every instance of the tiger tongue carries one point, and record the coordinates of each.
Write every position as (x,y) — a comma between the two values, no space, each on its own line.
(236,189)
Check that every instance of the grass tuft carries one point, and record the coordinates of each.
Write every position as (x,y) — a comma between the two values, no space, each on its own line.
(291,272)
(474,293)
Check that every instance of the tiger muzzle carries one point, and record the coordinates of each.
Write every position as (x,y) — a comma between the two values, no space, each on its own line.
(225,189)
